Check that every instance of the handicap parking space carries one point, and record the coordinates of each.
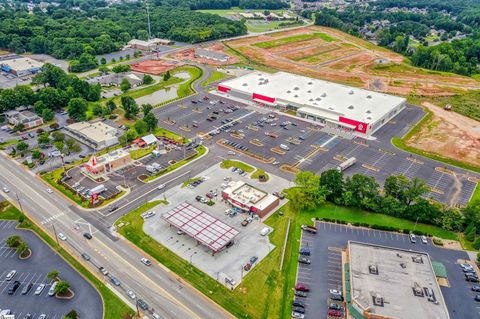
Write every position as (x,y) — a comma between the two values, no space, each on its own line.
(87,302)
(326,267)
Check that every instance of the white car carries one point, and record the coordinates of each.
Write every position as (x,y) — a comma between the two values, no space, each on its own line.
(146,261)
(10,275)
(39,289)
(42,316)
(160,187)
(6,190)
(49,191)
(62,236)
(131,294)
(424,240)
(335,292)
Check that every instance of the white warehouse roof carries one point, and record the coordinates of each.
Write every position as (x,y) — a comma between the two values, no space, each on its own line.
(328,99)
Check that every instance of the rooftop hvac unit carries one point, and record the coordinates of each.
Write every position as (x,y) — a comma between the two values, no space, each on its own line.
(318,99)
(351,107)
(378,300)
(244,84)
(324,95)
(373,269)
(311,100)
(368,112)
(289,91)
(296,95)
(351,92)
(296,88)
(417,290)
(369,96)
(369,117)
(310,83)
(309,91)
(399,256)
(417,259)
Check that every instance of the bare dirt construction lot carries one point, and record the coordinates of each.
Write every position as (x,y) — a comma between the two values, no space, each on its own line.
(449,134)
(155,67)
(189,54)
(330,54)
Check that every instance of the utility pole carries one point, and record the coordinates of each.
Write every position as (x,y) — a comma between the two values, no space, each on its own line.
(55,232)
(19,203)
(148,20)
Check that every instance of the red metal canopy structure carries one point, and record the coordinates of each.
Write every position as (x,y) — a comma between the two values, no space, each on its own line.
(201,226)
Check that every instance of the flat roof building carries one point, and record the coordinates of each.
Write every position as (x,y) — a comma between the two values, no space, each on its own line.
(26,118)
(387,282)
(97,135)
(106,163)
(201,226)
(331,104)
(148,45)
(250,199)
(211,55)
(19,65)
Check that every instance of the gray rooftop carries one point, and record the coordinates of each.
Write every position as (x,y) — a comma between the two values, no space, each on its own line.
(390,292)
(211,54)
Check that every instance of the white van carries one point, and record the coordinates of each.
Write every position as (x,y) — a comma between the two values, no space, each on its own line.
(284,147)
(51,291)
(265,231)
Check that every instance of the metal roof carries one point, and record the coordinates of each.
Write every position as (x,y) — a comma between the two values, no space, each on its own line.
(201,226)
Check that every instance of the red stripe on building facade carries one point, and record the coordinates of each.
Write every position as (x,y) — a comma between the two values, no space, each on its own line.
(223,88)
(263,98)
(359,126)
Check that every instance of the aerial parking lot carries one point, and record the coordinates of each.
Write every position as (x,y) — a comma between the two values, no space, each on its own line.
(249,240)
(325,248)
(287,144)
(34,270)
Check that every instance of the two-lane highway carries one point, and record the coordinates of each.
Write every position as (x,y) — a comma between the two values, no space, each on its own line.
(161,289)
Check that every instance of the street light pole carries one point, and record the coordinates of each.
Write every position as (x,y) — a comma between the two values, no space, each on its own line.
(19,203)
(55,232)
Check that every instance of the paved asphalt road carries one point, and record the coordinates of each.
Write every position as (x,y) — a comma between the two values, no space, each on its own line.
(163,291)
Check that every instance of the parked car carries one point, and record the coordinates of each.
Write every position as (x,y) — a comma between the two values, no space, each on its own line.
(298,303)
(27,288)
(477,297)
(305,251)
(298,315)
(335,292)
(413,238)
(10,275)
(87,236)
(247,266)
(298,309)
(299,293)
(304,260)
(424,240)
(86,256)
(39,289)
(335,306)
(28,316)
(42,316)
(13,287)
(476,288)
(334,313)
(302,287)
(253,259)
(62,236)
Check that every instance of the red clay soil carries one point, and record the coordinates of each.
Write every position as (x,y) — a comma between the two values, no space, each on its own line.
(155,67)
(189,54)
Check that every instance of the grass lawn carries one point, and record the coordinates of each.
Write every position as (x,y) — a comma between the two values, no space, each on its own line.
(235,10)
(6,144)
(54,176)
(141,152)
(161,131)
(214,77)
(259,172)
(230,163)
(186,89)
(200,151)
(114,308)
(476,194)
(292,39)
(353,215)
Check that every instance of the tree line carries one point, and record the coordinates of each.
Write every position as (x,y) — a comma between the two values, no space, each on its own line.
(400,197)
(227,4)
(79,35)
(56,90)
(460,56)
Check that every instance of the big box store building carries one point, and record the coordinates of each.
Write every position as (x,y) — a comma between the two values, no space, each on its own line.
(331,104)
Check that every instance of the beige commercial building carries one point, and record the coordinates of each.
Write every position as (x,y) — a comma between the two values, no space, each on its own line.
(96,135)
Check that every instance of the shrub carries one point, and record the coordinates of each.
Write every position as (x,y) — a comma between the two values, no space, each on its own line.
(438,241)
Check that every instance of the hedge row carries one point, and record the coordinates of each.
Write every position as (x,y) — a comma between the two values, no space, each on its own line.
(378,227)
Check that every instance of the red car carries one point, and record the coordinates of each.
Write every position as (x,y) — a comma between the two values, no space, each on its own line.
(209,195)
(302,287)
(334,313)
